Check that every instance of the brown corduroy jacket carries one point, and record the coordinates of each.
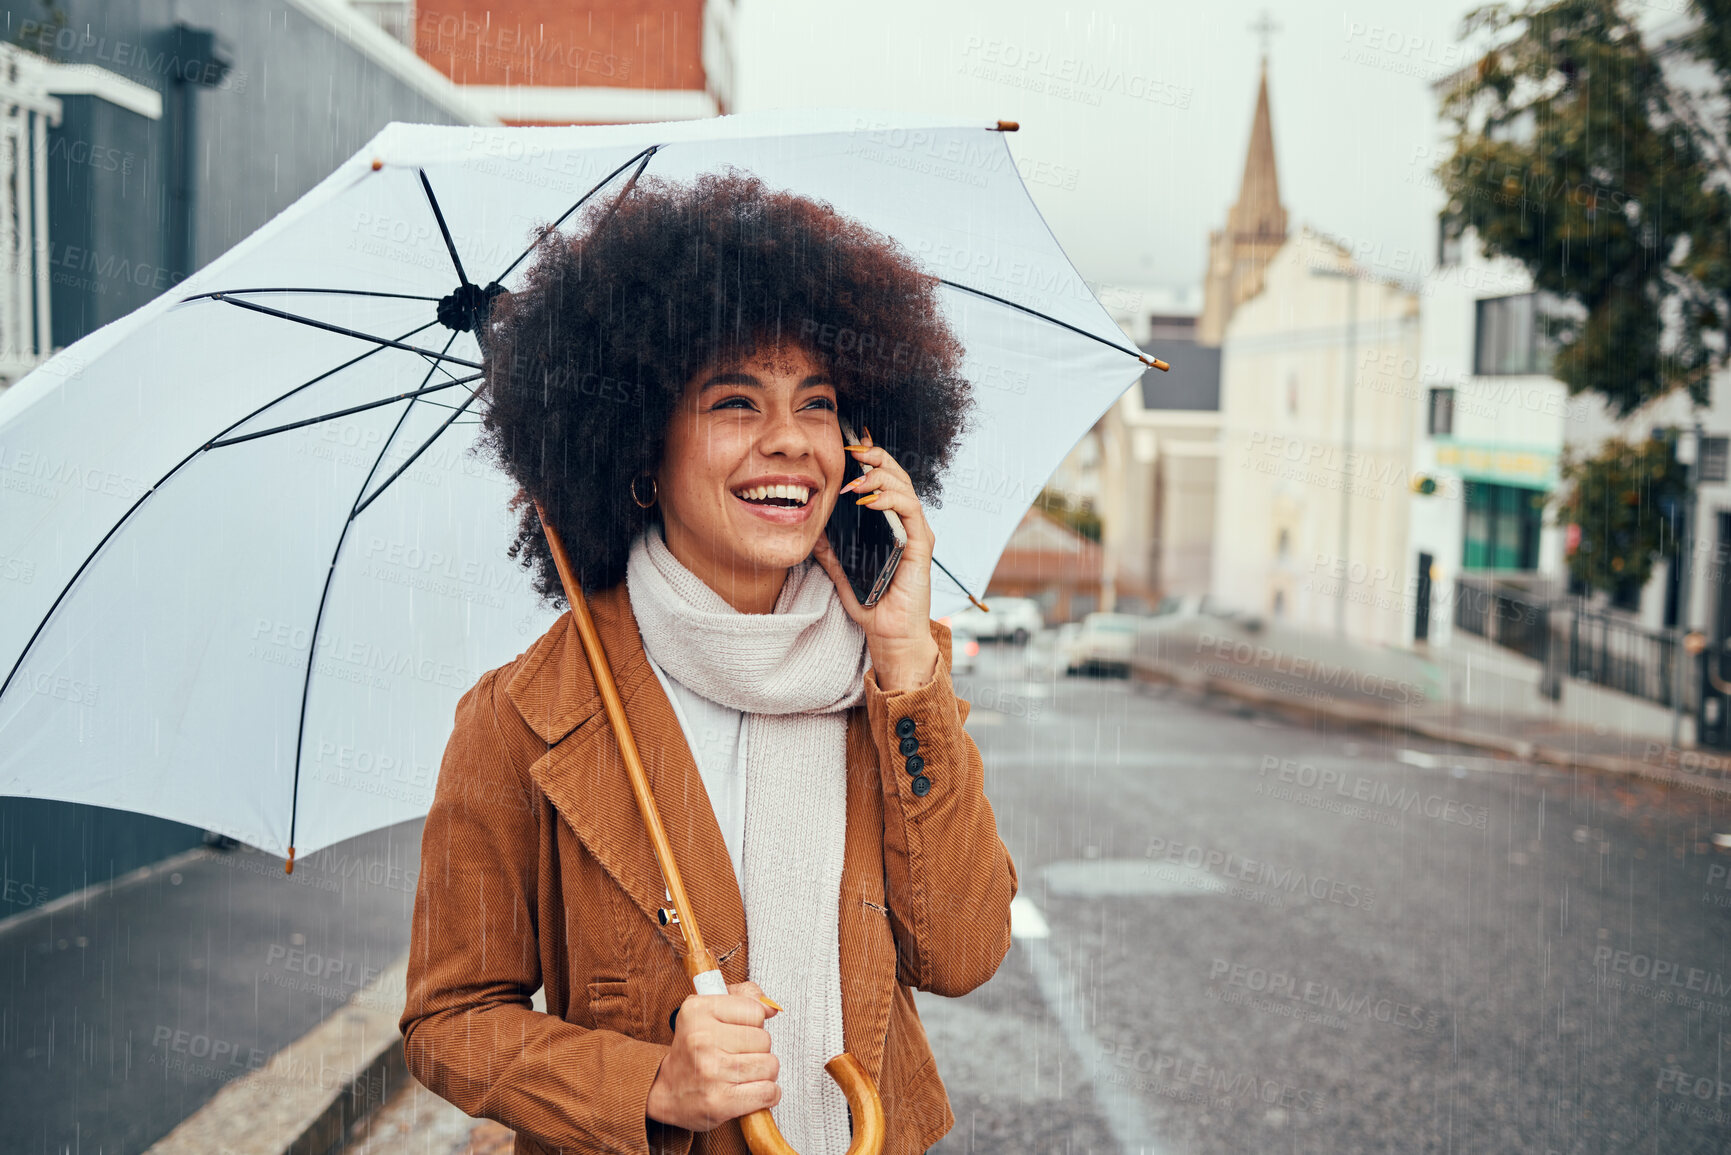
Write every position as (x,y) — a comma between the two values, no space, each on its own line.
(535,869)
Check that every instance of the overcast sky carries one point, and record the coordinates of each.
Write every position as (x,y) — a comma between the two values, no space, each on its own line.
(1133,162)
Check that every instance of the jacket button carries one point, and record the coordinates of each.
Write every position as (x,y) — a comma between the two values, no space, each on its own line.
(910,746)
(922,785)
(905,728)
(916,764)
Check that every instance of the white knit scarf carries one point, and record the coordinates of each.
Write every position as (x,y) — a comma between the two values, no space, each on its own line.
(794,673)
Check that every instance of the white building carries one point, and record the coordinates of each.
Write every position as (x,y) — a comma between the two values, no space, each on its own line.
(1490,429)
(1312,506)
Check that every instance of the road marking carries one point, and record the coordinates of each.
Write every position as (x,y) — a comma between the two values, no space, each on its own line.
(1026,921)
(1128,878)
(1118,1106)
(1426,761)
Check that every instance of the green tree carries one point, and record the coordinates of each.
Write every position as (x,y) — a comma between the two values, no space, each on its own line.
(1626,499)
(1575,155)
(1079,516)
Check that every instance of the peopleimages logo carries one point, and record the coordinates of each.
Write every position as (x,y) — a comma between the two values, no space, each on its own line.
(1239,868)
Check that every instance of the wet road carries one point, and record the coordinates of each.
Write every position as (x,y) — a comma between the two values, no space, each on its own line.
(1242,934)
(1234,934)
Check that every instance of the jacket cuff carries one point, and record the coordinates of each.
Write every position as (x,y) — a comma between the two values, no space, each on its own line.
(918,734)
(638,1063)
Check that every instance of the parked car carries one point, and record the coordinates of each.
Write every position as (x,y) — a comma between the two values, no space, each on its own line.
(1010,619)
(964,648)
(1103,644)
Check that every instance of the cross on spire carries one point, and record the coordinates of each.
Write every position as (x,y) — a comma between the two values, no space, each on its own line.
(1264,27)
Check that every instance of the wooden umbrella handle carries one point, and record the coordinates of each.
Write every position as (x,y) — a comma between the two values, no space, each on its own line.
(761,1133)
(764,1137)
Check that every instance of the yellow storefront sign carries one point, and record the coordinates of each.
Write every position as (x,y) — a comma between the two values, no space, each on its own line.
(1496,463)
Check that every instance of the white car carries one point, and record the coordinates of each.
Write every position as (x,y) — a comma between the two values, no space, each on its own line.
(1104,644)
(1010,619)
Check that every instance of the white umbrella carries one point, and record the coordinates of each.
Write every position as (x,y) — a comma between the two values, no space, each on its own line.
(251,565)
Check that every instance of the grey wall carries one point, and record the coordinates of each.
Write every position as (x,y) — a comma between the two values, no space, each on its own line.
(296,101)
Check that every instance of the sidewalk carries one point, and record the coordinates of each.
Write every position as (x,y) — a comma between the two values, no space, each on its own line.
(1470,695)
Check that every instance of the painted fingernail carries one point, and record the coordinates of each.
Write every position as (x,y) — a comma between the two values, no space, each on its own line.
(868,435)
(855,448)
(868,499)
(770,1003)
(849,487)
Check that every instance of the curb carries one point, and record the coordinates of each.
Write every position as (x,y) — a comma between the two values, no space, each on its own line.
(1352,714)
(80,898)
(305,1099)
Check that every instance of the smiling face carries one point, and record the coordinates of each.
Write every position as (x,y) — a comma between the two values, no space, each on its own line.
(749,475)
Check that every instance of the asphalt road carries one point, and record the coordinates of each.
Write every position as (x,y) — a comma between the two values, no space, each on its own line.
(1234,934)
(1253,935)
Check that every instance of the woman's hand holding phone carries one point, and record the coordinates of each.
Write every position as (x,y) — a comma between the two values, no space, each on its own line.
(898,627)
(719,1066)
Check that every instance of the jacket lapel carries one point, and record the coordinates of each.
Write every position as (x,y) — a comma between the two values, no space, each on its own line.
(584,777)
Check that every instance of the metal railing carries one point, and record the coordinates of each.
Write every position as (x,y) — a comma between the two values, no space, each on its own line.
(1619,655)
(1509,617)
(1569,638)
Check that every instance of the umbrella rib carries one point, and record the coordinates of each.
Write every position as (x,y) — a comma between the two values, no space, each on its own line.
(444,231)
(642,157)
(1036,313)
(325,593)
(437,433)
(338,292)
(410,395)
(145,496)
(385,342)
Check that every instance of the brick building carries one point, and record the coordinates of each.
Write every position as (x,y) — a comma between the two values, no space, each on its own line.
(575,61)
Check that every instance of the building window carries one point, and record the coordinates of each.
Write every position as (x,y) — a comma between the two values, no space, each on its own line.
(1442,412)
(1502,526)
(1448,242)
(1515,335)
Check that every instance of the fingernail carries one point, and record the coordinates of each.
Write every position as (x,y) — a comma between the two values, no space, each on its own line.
(849,487)
(868,434)
(868,499)
(769,1002)
(855,448)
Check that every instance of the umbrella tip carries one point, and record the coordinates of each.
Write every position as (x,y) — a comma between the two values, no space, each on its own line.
(1005,126)
(289,867)
(1156,362)
(377,164)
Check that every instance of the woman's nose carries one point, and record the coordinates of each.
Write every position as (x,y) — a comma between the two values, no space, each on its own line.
(784,436)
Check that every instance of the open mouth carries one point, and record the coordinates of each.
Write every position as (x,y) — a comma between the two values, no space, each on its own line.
(775,496)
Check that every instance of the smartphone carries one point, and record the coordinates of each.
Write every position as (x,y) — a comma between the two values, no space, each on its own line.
(869,542)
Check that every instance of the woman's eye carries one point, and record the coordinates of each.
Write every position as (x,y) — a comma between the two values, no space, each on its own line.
(733,403)
(821,403)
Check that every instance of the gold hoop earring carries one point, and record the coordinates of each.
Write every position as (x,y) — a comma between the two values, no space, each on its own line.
(654,491)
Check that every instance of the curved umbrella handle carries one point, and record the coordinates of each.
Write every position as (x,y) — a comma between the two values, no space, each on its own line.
(764,1138)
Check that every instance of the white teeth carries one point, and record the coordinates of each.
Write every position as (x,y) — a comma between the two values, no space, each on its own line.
(796,493)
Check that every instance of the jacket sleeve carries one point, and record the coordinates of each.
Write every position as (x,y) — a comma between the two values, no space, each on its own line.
(469,1032)
(948,876)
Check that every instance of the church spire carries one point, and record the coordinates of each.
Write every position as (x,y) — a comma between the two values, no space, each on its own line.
(1258,214)
(1255,225)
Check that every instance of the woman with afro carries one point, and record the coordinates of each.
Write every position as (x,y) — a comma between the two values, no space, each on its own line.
(670,385)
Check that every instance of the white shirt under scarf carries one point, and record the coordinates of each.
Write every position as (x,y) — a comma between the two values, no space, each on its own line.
(716,735)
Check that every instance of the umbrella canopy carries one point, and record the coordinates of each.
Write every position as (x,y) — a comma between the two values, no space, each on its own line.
(255,564)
